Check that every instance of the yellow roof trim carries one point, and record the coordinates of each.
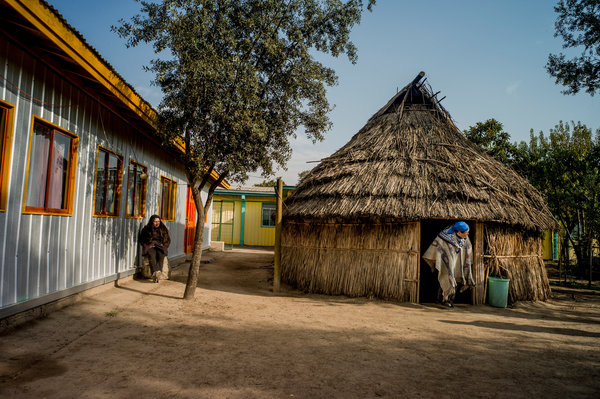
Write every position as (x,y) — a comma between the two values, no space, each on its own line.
(214,175)
(64,37)
(48,23)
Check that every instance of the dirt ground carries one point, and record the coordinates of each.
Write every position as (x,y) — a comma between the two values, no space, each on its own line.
(237,339)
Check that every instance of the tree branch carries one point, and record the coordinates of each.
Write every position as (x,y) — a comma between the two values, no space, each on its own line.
(206,176)
(211,191)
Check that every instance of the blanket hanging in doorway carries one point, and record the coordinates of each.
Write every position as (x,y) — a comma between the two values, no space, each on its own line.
(452,257)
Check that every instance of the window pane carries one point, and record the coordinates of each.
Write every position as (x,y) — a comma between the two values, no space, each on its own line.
(38,166)
(136,190)
(113,180)
(140,192)
(265,217)
(172,191)
(61,151)
(164,199)
(100,182)
(169,195)
(130,189)
(3,115)
(268,215)
(167,198)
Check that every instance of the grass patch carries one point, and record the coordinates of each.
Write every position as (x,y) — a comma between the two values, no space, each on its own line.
(112,313)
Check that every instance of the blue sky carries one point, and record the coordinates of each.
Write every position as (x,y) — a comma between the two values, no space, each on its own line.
(487,57)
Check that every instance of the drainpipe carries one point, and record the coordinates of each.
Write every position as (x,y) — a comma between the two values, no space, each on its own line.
(243,217)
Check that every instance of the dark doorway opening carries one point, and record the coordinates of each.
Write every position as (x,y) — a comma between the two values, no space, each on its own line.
(429,285)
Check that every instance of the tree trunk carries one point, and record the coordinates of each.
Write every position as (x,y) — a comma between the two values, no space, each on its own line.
(580,247)
(192,281)
(579,269)
(562,266)
(566,257)
(591,238)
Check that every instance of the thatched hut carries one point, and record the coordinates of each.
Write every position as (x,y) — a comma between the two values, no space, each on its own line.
(359,222)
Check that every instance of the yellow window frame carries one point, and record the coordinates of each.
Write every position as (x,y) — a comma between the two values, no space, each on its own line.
(118,188)
(172,192)
(6,137)
(71,174)
(143,193)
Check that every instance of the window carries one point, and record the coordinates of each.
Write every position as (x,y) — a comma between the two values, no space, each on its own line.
(168,191)
(107,194)
(51,171)
(136,190)
(5,135)
(267,215)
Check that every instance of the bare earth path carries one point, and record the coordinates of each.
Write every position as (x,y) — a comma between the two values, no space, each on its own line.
(238,340)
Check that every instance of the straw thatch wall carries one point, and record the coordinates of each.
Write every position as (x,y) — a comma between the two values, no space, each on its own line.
(374,259)
(517,255)
(353,259)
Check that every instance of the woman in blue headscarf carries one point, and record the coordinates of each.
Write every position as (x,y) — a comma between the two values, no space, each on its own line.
(451,254)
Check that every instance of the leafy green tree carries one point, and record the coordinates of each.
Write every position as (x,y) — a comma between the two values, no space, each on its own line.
(591,183)
(302,174)
(569,148)
(491,137)
(578,24)
(268,183)
(565,168)
(239,77)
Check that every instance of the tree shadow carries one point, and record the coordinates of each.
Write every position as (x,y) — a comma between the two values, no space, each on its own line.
(146,293)
(544,311)
(260,284)
(499,325)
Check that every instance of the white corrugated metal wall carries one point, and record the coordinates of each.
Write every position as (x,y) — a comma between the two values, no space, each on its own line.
(42,256)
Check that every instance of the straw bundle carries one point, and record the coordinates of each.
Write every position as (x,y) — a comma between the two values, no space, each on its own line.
(518,256)
(353,259)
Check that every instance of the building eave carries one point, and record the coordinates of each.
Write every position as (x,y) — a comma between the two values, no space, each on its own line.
(64,37)
(84,66)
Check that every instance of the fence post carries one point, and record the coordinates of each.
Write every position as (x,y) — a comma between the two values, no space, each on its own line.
(277,249)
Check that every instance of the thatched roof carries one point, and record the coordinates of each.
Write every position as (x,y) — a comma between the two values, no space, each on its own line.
(411,162)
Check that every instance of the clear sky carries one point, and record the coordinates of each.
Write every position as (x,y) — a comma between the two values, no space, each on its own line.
(487,57)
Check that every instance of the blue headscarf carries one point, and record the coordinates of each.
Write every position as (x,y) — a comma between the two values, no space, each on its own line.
(448,235)
(459,226)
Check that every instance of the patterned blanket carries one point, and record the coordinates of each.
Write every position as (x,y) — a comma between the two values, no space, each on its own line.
(452,257)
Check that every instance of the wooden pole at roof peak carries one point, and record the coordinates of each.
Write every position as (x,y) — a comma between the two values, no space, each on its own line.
(418,78)
(277,249)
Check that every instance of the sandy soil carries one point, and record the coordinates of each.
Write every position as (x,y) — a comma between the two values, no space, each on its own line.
(238,340)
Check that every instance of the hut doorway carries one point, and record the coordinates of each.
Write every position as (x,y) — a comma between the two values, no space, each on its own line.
(428,284)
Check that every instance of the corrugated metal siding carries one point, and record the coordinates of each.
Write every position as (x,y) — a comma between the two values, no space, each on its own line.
(254,233)
(44,254)
(548,247)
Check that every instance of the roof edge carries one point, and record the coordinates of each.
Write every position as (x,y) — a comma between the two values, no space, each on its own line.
(50,23)
(214,176)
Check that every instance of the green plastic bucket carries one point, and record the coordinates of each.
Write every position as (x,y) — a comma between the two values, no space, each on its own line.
(498,291)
